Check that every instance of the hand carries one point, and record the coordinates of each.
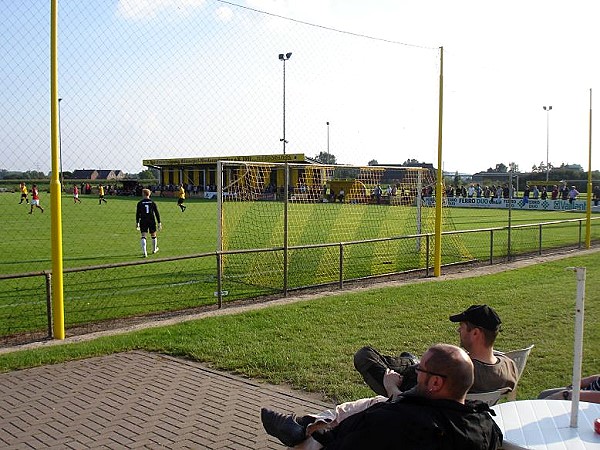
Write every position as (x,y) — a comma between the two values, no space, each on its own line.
(392,381)
(137,226)
(160,227)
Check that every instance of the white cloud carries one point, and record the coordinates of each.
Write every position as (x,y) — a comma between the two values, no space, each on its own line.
(144,9)
(224,14)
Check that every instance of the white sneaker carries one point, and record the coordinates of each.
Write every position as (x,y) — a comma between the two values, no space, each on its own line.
(156,251)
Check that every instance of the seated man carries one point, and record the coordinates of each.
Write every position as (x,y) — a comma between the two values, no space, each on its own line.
(478,328)
(434,414)
(589,391)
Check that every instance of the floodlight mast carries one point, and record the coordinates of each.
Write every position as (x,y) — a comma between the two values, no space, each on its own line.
(284,58)
(547,109)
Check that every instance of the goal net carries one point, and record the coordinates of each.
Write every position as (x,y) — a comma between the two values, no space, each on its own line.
(375,211)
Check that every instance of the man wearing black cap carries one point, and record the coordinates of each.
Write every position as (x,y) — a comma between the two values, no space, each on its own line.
(478,328)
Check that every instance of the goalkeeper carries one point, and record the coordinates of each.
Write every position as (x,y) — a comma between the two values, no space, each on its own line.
(146,217)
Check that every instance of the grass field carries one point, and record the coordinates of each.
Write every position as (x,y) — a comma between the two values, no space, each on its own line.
(96,234)
(310,344)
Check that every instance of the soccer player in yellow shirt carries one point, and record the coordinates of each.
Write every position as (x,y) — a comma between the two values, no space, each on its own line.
(23,189)
(101,195)
(181,198)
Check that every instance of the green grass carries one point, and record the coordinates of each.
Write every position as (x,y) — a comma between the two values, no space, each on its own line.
(96,234)
(310,344)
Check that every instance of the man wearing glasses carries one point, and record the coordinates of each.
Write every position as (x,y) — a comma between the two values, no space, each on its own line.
(478,328)
(433,414)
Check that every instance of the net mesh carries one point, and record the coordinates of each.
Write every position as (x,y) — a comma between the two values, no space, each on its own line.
(327,205)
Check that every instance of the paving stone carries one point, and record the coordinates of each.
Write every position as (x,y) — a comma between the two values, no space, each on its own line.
(139,400)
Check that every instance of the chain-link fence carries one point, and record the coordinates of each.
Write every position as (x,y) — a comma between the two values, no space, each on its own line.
(180,78)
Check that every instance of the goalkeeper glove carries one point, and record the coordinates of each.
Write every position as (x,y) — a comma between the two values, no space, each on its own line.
(137,226)
(160,227)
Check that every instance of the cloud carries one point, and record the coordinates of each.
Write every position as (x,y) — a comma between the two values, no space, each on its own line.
(145,9)
(224,14)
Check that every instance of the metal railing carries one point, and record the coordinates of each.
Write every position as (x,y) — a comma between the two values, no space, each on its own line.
(525,239)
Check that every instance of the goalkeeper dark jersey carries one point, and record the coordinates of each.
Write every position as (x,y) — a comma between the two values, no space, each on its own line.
(146,212)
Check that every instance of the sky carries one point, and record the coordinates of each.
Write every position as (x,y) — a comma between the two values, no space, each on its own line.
(144,79)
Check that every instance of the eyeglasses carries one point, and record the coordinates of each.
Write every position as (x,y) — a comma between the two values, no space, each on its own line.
(419,369)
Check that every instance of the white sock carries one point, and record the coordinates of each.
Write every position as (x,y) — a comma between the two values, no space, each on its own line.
(154,243)
(144,245)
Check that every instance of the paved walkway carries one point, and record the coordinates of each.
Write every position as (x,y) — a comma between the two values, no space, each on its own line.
(138,400)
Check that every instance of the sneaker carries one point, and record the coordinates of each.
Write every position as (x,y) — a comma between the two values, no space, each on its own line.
(145,255)
(155,251)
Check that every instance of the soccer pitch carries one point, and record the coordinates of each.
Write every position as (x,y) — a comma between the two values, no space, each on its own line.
(96,234)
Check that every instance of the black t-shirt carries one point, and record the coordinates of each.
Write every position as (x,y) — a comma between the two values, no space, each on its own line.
(146,212)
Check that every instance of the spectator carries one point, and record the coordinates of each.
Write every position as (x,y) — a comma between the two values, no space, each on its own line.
(433,415)
(479,326)
(554,194)
(526,195)
(590,391)
(573,193)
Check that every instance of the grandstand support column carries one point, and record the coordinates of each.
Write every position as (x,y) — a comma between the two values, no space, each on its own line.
(588,223)
(285,228)
(437,269)
(55,187)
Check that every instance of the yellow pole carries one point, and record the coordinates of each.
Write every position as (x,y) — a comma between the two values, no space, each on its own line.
(437,268)
(58,325)
(588,224)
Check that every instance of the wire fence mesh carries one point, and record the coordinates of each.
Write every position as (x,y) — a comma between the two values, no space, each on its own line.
(186,78)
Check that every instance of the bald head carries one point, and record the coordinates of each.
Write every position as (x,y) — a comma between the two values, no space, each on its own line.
(455,364)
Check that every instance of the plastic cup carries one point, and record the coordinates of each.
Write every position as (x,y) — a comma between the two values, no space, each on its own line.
(597,425)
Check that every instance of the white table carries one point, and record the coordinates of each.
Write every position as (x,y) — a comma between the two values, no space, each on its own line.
(544,424)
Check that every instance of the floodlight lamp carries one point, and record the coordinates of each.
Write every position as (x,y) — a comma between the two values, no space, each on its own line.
(288,55)
(281,58)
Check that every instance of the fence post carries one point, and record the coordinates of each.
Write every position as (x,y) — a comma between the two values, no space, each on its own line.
(219,282)
(540,238)
(341,265)
(580,227)
(49,303)
(427,255)
(491,247)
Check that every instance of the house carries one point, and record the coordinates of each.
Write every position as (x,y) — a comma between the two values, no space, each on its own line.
(98,174)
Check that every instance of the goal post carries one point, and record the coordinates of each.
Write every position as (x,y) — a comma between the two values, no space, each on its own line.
(296,213)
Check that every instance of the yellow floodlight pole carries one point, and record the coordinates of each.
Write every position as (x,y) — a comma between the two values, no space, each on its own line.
(588,224)
(58,323)
(437,268)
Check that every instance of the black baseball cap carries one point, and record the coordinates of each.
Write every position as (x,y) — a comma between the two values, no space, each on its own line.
(482,316)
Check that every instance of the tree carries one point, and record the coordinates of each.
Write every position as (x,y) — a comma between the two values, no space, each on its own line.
(147,174)
(513,167)
(325,158)
(373,162)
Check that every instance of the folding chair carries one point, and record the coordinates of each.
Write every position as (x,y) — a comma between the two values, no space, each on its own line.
(491,398)
(520,359)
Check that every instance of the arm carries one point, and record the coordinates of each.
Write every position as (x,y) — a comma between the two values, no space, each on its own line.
(584,396)
(585,382)
(156,213)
